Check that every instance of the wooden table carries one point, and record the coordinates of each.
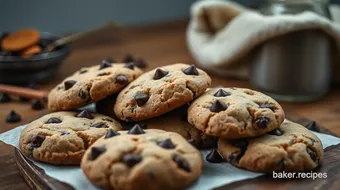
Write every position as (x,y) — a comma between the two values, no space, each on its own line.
(159,45)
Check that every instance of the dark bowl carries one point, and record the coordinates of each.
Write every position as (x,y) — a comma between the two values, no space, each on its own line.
(35,69)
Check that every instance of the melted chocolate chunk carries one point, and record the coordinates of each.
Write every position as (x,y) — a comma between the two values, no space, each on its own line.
(104,64)
(218,106)
(269,106)
(140,63)
(64,133)
(111,133)
(37,141)
(131,159)
(242,145)
(85,114)
(69,83)
(159,73)
(107,119)
(167,144)
(136,130)
(96,151)
(13,117)
(100,125)
(53,120)
(37,104)
(128,58)
(312,154)
(130,66)
(214,157)
(313,126)
(121,79)
(103,74)
(141,98)
(276,132)
(262,122)
(82,94)
(221,93)
(181,163)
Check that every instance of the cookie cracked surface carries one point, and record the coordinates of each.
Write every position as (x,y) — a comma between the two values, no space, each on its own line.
(290,148)
(62,137)
(90,85)
(160,91)
(152,160)
(235,113)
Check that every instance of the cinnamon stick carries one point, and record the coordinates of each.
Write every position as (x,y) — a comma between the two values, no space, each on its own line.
(23,92)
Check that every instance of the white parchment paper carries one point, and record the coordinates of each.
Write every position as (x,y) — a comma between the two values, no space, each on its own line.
(214,175)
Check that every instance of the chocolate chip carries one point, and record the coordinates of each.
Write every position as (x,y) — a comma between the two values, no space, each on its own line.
(121,79)
(136,130)
(131,159)
(96,151)
(53,120)
(37,141)
(214,157)
(218,106)
(83,71)
(140,63)
(85,114)
(82,94)
(221,93)
(181,162)
(276,132)
(100,125)
(159,73)
(111,133)
(69,83)
(313,126)
(231,157)
(64,133)
(262,122)
(312,154)
(107,119)
(128,58)
(129,65)
(191,70)
(23,99)
(37,104)
(5,98)
(269,106)
(104,64)
(141,98)
(167,144)
(13,117)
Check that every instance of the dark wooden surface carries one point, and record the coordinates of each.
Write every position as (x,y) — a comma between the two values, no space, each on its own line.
(159,45)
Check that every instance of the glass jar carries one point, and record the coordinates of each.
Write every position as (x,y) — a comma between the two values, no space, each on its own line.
(295,67)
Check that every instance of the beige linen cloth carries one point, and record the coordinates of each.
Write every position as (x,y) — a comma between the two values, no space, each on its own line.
(221,34)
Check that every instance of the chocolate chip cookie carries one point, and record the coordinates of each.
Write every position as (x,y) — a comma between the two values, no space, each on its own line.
(91,84)
(62,137)
(142,159)
(160,91)
(290,148)
(235,113)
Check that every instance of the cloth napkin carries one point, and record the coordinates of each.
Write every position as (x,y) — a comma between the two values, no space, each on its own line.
(221,34)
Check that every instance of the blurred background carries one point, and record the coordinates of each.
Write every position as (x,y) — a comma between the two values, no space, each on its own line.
(66,16)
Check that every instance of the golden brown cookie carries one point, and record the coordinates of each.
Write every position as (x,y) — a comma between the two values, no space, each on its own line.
(20,40)
(62,137)
(150,159)
(161,90)
(235,113)
(91,84)
(290,148)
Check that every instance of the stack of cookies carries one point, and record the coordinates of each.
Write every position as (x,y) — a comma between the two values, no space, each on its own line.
(151,124)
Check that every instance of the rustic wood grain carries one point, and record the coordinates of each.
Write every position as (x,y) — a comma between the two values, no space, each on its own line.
(159,45)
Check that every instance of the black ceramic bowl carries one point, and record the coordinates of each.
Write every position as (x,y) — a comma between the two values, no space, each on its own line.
(35,69)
